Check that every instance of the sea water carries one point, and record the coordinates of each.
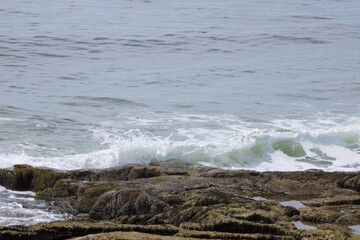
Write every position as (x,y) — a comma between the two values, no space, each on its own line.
(262,85)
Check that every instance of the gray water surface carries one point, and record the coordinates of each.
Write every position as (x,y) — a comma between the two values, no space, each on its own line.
(217,82)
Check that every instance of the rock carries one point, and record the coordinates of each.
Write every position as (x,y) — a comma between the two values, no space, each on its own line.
(319,215)
(25,177)
(351,182)
(291,211)
(131,236)
(122,173)
(187,202)
(9,179)
(70,228)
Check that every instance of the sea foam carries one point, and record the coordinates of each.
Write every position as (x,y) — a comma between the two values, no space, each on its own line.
(222,141)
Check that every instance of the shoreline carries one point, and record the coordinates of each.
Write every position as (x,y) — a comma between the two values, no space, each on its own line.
(164,200)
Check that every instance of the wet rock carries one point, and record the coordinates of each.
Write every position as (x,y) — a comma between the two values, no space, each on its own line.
(68,229)
(334,201)
(291,211)
(126,202)
(122,173)
(25,177)
(319,215)
(187,202)
(9,179)
(254,217)
(351,182)
(131,236)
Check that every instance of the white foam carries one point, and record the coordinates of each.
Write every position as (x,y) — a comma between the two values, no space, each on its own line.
(20,208)
(281,162)
(5,119)
(219,141)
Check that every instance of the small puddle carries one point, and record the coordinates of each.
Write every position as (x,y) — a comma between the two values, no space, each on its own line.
(293,203)
(259,198)
(300,225)
(355,229)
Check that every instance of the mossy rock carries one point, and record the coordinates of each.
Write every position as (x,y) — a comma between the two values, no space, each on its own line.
(8,179)
(42,192)
(44,178)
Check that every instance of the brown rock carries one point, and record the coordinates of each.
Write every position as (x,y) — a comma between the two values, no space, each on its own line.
(196,202)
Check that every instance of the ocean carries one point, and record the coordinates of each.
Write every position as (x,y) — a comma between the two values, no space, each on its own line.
(261,85)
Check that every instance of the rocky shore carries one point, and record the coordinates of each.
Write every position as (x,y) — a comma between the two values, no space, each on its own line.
(165,200)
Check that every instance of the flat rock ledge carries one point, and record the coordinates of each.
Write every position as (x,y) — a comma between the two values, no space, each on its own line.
(166,200)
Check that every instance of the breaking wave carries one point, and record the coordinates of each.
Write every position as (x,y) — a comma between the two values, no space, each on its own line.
(328,143)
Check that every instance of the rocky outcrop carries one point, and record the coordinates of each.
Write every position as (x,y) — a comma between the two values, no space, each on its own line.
(25,177)
(188,202)
(70,228)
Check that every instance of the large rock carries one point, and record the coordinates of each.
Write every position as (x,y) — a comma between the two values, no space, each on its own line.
(25,177)
(193,202)
(70,228)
